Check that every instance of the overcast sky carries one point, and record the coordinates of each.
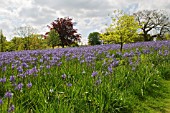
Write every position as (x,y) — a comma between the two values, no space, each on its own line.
(90,15)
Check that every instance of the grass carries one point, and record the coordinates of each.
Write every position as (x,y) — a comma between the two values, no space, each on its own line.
(95,79)
(167,99)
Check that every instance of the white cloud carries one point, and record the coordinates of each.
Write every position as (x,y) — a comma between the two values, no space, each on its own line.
(90,15)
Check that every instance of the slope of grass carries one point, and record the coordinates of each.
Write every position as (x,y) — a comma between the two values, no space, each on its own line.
(167,99)
(160,104)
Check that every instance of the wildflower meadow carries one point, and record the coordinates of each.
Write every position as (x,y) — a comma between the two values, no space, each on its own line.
(93,79)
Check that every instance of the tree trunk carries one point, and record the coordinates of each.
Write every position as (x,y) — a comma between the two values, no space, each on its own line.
(62,42)
(62,45)
(121,43)
(121,46)
(145,36)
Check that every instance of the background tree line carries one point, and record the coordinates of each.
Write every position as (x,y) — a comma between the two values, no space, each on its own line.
(145,25)
(61,33)
(18,43)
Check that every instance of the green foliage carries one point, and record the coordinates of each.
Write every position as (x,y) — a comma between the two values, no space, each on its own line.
(25,32)
(2,42)
(18,43)
(9,46)
(37,42)
(167,36)
(75,45)
(122,30)
(53,38)
(94,38)
(138,38)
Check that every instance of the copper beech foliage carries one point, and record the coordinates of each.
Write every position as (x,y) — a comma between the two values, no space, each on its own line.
(67,34)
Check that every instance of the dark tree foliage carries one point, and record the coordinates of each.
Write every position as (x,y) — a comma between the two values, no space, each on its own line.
(67,34)
(93,38)
(149,20)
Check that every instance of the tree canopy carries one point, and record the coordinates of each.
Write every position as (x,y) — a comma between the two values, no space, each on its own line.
(2,41)
(122,30)
(67,34)
(25,32)
(153,20)
(53,38)
(94,38)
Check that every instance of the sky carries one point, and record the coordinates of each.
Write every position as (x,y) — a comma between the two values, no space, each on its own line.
(90,15)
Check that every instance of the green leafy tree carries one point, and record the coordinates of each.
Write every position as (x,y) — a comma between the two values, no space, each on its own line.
(18,43)
(9,46)
(2,41)
(94,38)
(25,32)
(53,38)
(122,30)
(37,42)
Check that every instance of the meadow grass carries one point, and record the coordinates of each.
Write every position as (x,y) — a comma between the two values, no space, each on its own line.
(96,79)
